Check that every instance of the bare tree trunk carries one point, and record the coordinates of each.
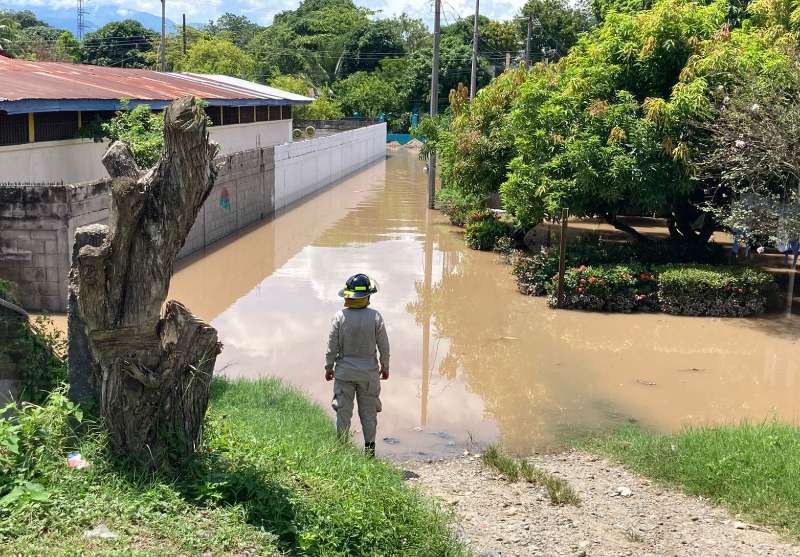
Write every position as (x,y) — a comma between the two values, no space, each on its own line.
(626,228)
(151,373)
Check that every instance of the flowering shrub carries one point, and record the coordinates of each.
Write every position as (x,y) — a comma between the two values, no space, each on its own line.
(618,288)
(533,272)
(717,291)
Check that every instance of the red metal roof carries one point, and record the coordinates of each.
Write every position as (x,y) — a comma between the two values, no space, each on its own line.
(22,80)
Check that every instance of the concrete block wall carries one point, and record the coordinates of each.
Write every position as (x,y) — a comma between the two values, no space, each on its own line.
(304,167)
(36,227)
(38,223)
(243,194)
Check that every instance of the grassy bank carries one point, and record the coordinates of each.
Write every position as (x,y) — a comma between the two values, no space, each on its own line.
(271,479)
(749,469)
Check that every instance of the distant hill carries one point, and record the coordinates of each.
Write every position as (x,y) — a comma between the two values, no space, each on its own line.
(96,16)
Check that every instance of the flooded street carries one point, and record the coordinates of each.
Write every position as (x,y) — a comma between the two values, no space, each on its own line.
(472,360)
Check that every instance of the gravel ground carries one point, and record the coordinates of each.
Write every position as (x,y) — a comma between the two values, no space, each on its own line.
(498,518)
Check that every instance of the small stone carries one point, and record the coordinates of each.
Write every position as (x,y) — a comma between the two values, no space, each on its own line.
(100,532)
(623,491)
(490,553)
(740,525)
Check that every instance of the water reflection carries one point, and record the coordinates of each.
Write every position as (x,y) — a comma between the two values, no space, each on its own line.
(472,359)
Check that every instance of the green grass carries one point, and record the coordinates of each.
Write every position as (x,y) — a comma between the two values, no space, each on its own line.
(752,469)
(271,479)
(558,490)
(494,457)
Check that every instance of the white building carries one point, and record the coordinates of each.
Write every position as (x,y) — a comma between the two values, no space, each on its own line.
(45,106)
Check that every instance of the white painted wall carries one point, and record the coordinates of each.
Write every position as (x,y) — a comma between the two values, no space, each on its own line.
(243,137)
(69,161)
(78,160)
(303,167)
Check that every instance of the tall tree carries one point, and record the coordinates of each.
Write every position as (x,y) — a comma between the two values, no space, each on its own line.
(121,44)
(237,29)
(217,56)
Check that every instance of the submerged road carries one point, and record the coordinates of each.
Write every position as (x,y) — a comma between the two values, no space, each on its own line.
(472,359)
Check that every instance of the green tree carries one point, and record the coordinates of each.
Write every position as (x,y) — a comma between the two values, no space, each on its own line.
(66,48)
(558,27)
(609,131)
(122,44)
(217,56)
(237,29)
(141,129)
(413,32)
(368,46)
(366,94)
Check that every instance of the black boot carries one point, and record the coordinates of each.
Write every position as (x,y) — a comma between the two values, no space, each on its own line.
(369,450)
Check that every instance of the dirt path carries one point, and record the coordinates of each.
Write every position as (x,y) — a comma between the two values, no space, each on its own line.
(505,519)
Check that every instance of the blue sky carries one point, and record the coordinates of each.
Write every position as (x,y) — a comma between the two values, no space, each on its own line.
(262,11)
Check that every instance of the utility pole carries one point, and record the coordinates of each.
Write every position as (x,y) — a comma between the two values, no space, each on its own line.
(528,41)
(163,53)
(81,20)
(437,31)
(184,33)
(473,80)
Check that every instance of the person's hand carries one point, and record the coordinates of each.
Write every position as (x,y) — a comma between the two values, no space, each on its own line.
(328,375)
(384,374)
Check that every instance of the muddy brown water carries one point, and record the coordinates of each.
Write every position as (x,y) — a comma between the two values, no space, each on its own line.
(472,359)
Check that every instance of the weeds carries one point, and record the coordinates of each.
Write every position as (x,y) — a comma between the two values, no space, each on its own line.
(493,456)
(559,491)
(270,479)
(633,536)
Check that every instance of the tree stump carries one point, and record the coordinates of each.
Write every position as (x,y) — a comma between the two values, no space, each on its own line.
(150,373)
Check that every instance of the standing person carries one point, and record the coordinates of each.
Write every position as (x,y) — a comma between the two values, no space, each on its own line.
(357,336)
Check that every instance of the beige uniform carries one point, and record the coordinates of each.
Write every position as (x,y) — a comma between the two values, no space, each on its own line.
(356,340)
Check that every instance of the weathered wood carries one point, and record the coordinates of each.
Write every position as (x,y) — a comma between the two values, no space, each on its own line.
(152,374)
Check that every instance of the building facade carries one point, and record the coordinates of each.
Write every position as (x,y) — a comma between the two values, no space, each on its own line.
(47,110)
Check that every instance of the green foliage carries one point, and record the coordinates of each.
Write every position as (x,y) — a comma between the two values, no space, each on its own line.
(217,56)
(718,291)
(616,288)
(533,272)
(456,205)
(121,44)
(483,229)
(141,129)
(236,29)
(612,129)
(323,108)
(366,94)
(474,146)
(271,477)
(748,468)
(41,349)
(30,441)
(560,24)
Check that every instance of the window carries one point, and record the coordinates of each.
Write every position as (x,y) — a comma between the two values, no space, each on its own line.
(246,114)
(213,113)
(286,112)
(13,128)
(53,126)
(262,113)
(274,113)
(230,115)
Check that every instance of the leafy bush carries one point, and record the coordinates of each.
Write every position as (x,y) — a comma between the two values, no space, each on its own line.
(36,347)
(533,272)
(717,291)
(618,288)
(456,205)
(140,129)
(483,229)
